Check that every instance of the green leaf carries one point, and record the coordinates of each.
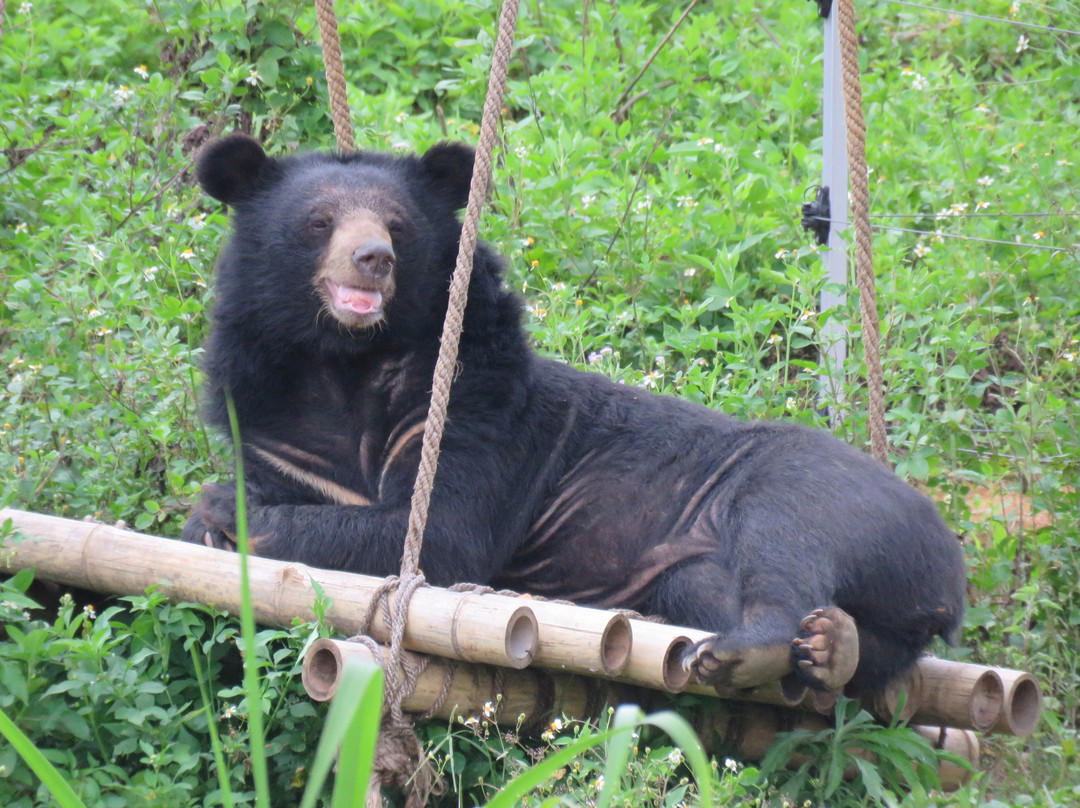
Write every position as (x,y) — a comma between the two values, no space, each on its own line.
(44,770)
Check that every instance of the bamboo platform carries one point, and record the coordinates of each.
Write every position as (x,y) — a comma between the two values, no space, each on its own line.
(543,658)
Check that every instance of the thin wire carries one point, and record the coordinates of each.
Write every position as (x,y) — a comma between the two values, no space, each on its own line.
(973,215)
(950,235)
(973,15)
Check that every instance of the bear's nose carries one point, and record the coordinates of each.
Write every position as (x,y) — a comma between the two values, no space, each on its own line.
(374,259)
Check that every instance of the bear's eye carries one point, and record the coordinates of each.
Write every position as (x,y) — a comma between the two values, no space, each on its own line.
(320,224)
(396,227)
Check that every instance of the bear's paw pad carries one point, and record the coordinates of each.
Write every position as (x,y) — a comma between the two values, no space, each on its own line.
(826,649)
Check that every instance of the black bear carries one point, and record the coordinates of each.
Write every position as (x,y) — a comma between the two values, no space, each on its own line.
(330,300)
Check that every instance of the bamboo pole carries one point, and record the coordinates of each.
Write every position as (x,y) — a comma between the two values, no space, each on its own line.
(656,657)
(961,742)
(941,692)
(471,627)
(519,698)
(509,697)
(581,639)
(487,628)
(1023,703)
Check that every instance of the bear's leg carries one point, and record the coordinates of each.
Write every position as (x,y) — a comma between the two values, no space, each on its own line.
(822,648)
(885,654)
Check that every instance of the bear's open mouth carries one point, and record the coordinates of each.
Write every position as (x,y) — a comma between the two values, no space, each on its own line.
(354,299)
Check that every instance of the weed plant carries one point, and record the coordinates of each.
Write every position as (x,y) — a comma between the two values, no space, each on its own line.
(653,234)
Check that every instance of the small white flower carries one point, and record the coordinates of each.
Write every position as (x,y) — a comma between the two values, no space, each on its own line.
(598,783)
(521,151)
(921,250)
(789,403)
(643,204)
(187,255)
(21,227)
(985,182)
(1069,357)
(659,361)
(90,611)
(197,222)
(919,82)
(1038,235)
(650,379)
(253,77)
(142,72)
(705,141)
(781,253)
(230,711)
(675,756)
(558,287)
(774,339)
(1022,43)
(1062,162)
(1014,9)
(723,151)
(401,117)
(122,94)
(685,202)
(25,8)
(982,205)
(689,272)
(587,200)
(95,253)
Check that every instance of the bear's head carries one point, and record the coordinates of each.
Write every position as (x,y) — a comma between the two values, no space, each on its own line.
(335,253)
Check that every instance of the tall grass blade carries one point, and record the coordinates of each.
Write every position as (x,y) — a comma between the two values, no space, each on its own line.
(352,724)
(46,772)
(247,626)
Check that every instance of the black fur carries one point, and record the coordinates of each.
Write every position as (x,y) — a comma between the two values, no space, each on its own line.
(550,480)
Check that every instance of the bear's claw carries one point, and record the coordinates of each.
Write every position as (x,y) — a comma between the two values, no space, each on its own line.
(826,652)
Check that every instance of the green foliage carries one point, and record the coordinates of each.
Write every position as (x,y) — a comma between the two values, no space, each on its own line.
(653,234)
(855,761)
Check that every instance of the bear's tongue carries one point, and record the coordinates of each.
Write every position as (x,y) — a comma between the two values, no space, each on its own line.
(361,301)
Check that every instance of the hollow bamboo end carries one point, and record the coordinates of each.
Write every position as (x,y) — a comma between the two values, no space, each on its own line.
(615,645)
(1023,707)
(522,638)
(322,669)
(987,700)
(676,677)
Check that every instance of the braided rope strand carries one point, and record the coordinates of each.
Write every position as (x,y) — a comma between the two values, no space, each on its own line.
(860,215)
(459,289)
(335,76)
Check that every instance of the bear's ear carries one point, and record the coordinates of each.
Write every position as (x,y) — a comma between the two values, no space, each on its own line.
(229,169)
(449,168)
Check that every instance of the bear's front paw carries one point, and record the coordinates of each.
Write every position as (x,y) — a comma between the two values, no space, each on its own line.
(197,531)
(826,651)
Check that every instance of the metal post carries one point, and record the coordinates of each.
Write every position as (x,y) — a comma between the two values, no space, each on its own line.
(835,178)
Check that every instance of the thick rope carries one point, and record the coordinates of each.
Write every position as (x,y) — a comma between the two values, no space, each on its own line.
(860,215)
(335,75)
(459,289)
(399,752)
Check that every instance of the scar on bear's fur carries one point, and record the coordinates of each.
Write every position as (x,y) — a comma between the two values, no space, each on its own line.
(330,297)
